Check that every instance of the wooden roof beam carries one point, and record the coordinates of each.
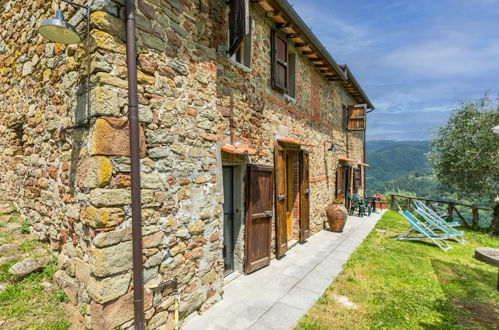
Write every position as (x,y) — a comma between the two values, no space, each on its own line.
(286,25)
(301,45)
(273,13)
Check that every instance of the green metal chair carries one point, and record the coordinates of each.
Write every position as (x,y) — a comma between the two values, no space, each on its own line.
(360,204)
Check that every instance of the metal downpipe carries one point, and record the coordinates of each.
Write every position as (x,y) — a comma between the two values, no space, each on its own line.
(133,118)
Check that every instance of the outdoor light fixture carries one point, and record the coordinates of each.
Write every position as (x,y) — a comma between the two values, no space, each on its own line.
(58,30)
(332,148)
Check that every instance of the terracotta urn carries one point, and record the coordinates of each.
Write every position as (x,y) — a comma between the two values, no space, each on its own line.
(336,217)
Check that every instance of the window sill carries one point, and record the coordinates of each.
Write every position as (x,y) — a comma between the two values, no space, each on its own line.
(240,66)
(289,99)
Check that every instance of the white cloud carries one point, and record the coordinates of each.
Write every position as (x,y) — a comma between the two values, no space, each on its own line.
(448,57)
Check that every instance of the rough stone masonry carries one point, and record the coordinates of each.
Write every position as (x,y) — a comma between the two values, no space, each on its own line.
(67,171)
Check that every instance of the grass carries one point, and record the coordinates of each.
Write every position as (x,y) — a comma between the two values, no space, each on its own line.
(410,285)
(29,303)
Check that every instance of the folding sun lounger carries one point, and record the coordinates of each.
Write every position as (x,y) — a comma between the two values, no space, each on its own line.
(436,223)
(439,217)
(418,227)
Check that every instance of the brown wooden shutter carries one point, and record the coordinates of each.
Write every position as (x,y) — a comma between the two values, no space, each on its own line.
(339,180)
(357,178)
(348,181)
(280,201)
(239,24)
(258,246)
(280,70)
(356,117)
(304,196)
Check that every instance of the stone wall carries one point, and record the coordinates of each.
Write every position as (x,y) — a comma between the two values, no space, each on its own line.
(73,183)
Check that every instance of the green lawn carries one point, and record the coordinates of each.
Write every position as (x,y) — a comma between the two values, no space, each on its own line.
(410,285)
(34,302)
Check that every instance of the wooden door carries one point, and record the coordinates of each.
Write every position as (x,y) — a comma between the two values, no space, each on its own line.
(280,201)
(259,215)
(304,196)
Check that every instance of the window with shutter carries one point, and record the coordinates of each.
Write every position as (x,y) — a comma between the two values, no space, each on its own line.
(239,24)
(243,53)
(280,70)
(357,181)
(356,117)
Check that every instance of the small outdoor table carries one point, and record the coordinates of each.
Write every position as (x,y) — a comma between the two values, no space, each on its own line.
(373,201)
(489,256)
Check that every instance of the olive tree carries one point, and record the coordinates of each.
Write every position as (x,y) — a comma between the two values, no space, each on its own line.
(465,151)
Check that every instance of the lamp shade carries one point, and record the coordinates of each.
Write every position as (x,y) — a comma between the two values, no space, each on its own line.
(58,30)
(332,148)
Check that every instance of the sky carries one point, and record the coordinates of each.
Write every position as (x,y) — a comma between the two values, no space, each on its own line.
(415,59)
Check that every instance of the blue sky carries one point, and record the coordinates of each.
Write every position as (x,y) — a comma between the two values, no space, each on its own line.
(416,60)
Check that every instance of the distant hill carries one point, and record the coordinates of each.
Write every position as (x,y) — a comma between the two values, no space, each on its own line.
(400,164)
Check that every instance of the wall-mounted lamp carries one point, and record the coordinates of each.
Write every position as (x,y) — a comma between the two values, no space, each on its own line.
(58,30)
(332,148)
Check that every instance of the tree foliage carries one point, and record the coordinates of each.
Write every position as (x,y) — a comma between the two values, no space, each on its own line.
(465,152)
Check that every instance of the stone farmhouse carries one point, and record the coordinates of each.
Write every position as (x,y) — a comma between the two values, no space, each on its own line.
(239,107)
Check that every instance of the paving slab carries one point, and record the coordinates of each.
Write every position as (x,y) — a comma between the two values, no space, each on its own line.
(277,296)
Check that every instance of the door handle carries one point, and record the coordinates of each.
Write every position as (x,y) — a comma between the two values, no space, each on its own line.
(281,197)
(306,191)
(269,213)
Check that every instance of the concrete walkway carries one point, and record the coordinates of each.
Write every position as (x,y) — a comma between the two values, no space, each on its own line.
(277,296)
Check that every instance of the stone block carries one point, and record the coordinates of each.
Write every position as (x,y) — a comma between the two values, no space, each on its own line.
(108,288)
(83,272)
(105,78)
(103,40)
(116,313)
(94,172)
(196,228)
(67,284)
(111,136)
(102,217)
(147,64)
(108,23)
(112,260)
(153,240)
(108,6)
(104,101)
(112,237)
